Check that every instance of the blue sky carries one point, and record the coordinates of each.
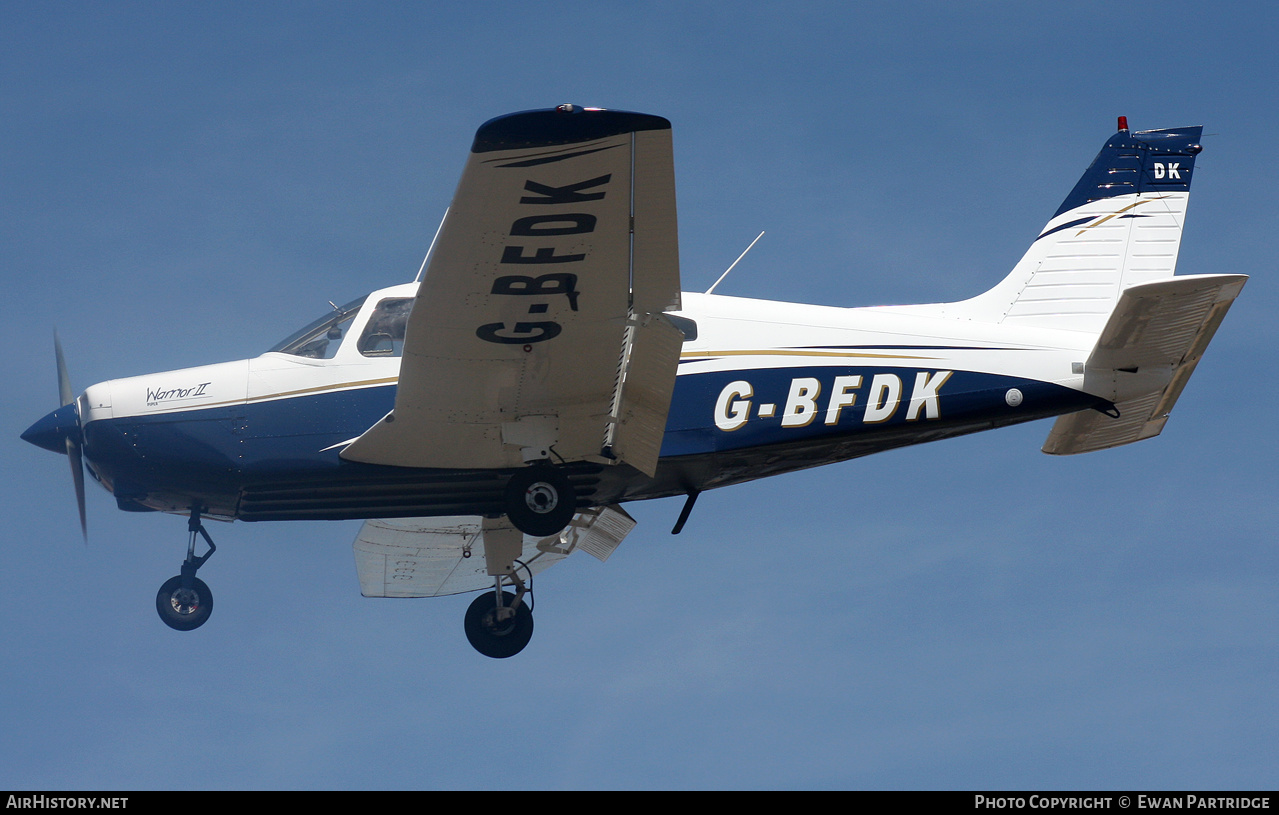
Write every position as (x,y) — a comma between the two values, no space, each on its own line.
(186,183)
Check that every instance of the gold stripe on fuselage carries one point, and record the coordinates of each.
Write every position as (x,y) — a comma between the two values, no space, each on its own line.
(793,353)
(331,388)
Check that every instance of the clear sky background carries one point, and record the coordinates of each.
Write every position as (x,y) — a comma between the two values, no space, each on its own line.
(187,183)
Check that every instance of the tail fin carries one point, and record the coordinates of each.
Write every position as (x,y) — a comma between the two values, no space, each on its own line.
(1120,226)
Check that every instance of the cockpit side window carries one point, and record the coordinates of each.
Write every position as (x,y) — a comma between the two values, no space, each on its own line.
(321,338)
(384,333)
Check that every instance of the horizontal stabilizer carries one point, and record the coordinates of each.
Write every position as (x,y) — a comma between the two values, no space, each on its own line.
(1143,359)
(432,557)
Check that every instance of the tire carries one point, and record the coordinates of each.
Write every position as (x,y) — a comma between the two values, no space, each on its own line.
(490,638)
(184,610)
(540,500)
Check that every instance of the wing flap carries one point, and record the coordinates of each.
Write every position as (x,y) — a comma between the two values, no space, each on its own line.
(1143,359)
(530,290)
(645,385)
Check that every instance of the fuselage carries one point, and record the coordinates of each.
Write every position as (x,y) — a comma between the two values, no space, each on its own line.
(763,388)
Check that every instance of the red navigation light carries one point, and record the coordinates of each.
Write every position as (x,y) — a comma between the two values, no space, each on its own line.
(1123,122)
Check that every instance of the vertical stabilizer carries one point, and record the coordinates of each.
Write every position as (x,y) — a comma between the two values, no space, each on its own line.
(1120,226)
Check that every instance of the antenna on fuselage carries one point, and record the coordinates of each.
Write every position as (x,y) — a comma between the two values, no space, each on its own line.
(432,246)
(730,268)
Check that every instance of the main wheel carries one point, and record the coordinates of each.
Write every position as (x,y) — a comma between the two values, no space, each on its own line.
(184,609)
(540,500)
(494,638)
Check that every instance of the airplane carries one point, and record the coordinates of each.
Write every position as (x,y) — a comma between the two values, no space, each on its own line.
(492,417)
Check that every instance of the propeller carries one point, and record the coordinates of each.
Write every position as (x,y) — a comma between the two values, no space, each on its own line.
(74,439)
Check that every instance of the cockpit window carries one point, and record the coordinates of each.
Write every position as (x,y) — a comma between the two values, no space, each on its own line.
(320,339)
(384,333)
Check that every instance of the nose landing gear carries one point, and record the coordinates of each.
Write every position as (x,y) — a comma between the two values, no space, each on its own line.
(184,602)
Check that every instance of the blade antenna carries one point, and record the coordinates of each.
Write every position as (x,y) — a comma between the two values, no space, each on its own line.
(422,270)
(730,268)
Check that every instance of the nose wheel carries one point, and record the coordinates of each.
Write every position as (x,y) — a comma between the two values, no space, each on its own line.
(183,608)
(184,602)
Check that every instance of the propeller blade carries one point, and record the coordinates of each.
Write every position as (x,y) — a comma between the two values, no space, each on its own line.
(77,476)
(65,397)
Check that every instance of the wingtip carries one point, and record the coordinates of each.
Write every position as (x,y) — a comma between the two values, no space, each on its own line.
(565,124)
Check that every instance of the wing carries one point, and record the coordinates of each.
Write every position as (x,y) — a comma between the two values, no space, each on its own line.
(432,557)
(544,293)
(1144,358)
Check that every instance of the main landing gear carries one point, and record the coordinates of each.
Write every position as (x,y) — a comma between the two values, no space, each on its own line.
(539,501)
(185,602)
(499,624)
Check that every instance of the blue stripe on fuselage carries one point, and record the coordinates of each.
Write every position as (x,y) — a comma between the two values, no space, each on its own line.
(691,427)
(224,448)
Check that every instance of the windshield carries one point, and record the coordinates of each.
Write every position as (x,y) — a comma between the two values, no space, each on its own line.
(320,339)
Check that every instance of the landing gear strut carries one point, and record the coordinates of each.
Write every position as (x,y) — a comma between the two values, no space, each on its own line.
(185,602)
(499,624)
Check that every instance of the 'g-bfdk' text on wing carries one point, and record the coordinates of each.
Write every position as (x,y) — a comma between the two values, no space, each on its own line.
(537,328)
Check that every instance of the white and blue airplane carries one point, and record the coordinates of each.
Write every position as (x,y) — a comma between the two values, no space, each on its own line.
(491,418)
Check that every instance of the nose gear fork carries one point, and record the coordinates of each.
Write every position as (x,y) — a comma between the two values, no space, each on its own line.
(184,602)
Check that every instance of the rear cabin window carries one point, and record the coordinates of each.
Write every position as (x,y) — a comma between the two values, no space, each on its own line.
(384,333)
